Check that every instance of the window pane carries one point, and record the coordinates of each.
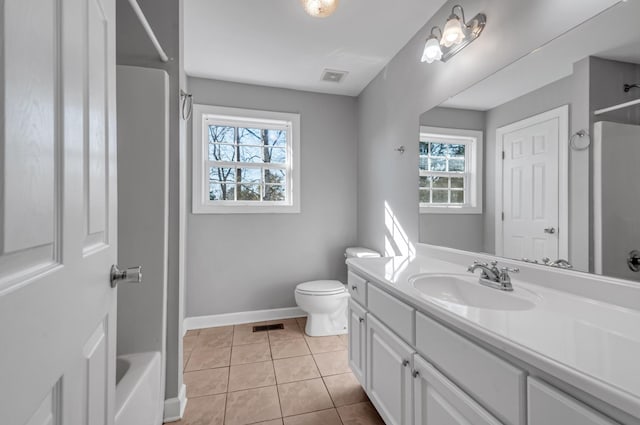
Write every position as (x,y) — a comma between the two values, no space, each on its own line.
(424,181)
(249,175)
(278,155)
(274,193)
(457,182)
(438,149)
(457,197)
(250,154)
(222,152)
(456,150)
(251,136)
(438,164)
(248,192)
(221,134)
(440,196)
(424,196)
(221,192)
(278,138)
(274,176)
(456,165)
(423,163)
(441,182)
(424,148)
(222,174)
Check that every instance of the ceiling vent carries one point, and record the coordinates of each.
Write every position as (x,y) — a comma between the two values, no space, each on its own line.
(333,76)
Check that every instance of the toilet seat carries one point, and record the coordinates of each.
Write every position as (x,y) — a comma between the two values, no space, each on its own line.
(321,287)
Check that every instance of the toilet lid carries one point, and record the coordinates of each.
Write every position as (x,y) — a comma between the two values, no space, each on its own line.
(321,287)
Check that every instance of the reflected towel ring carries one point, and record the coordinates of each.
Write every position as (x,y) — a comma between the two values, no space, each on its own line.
(580,140)
(187,105)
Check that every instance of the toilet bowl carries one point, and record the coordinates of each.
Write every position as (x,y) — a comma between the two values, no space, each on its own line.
(326,301)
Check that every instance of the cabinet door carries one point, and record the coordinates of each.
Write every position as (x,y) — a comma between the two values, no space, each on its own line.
(550,406)
(388,373)
(357,335)
(439,401)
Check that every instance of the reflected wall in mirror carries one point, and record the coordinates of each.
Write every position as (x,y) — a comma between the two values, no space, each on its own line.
(557,164)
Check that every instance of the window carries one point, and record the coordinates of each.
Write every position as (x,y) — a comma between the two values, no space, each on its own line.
(450,171)
(245,161)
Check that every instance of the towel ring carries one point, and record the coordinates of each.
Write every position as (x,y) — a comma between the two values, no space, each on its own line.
(580,140)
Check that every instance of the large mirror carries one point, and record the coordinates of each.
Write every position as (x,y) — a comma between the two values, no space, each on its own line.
(541,161)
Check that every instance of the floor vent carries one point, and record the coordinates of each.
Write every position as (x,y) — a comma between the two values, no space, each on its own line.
(264,328)
(333,76)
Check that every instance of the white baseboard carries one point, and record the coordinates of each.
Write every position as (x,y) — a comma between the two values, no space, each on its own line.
(174,407)
(200,322)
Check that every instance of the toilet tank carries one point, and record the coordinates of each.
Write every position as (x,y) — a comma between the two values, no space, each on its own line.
(359,252)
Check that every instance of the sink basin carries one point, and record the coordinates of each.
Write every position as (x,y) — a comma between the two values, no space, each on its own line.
(465,290)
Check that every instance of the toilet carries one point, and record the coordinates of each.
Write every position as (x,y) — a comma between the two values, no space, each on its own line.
(326,301)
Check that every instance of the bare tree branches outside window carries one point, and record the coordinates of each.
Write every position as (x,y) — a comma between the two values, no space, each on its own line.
(249,164)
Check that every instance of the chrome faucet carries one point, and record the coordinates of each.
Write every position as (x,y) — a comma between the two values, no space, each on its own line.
(559,263)
(492,276)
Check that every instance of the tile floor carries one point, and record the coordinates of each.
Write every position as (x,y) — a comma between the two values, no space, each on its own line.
(235,376)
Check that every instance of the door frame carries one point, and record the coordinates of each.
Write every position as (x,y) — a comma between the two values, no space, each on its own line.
(562,115)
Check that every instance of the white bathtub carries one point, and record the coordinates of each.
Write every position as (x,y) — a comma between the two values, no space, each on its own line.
(139,389)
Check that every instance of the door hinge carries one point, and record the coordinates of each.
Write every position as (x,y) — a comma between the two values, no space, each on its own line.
(502,216)
(503,155)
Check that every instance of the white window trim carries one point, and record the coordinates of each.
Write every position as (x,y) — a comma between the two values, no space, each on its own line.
(200,199)
(474,170)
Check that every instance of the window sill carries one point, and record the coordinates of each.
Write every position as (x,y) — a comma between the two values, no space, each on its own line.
(245,209)
(450,210)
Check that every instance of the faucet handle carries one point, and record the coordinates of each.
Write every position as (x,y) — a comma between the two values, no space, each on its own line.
(510,270)
(479,263)
(494,263)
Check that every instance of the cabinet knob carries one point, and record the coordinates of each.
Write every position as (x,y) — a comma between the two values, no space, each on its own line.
(405,363)
(354,288)
(415,373)
(361,319)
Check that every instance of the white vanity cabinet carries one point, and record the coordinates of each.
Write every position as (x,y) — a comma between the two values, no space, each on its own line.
(548,405)
(389,362)
(357,334)
(437,401)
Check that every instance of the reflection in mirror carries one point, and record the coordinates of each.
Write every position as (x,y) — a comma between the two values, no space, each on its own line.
(556,137)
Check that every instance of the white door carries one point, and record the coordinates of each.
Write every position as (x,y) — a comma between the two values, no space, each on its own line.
(57,212)
(616,197)
(388,375)
(533,184)
(438,401)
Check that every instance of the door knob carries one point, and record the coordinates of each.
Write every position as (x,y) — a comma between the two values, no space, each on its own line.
(550,230)
(633,261)
(131,274)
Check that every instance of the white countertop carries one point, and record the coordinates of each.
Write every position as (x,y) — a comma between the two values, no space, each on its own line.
(590,344)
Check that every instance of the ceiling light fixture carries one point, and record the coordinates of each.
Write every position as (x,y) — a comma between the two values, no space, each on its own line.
(432,50)
(320,8)
(457,35)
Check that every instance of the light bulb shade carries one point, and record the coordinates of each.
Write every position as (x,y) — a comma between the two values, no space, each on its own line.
(432,51)
(453,33)
(320,8)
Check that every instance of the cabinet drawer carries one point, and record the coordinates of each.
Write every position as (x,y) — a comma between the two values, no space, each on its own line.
(548,405)
(395,314)
(496,384)
(357,288)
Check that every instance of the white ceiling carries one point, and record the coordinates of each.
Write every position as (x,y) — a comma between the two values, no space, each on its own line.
(614,34)
(275,43)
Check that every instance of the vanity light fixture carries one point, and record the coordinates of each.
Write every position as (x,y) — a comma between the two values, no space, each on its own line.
(319,8)
(432,50)
(457,34)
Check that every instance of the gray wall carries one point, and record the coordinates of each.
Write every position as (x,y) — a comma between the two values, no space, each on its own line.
(461,231)
(134,48)
(390,106)
(245,262)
